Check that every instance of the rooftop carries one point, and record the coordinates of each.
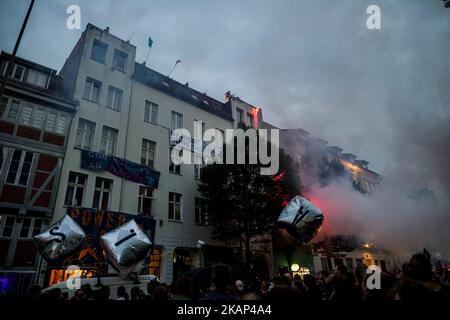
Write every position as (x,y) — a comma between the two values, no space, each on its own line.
(180,91)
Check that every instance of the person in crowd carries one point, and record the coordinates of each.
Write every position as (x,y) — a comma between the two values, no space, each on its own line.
(183,289)
(55,294)
(122,293)
(160,293)
(135,294)
(343,285)
(102,293)
(417,283)
(220,287)
(311,290)
(264,288)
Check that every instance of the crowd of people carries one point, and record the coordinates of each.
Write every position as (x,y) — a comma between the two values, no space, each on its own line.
(415,281)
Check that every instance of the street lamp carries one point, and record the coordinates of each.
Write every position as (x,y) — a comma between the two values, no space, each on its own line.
(295,267)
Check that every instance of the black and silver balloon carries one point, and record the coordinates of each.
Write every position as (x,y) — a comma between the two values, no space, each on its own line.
(301,219)
(126,248)
(60,240)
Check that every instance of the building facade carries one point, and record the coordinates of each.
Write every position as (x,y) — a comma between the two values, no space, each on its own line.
(35,118)
(129,111)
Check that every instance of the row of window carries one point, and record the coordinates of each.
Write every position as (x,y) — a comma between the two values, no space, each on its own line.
(102,198)
(92,92)
(33,115)
(28,228)
(31,76)
(99,53)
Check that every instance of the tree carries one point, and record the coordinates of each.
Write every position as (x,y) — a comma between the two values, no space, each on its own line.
(242,203)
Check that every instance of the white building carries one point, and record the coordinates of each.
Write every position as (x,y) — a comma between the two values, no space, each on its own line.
(128,110)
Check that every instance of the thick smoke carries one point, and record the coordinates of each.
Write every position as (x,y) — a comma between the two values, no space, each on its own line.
(389,216)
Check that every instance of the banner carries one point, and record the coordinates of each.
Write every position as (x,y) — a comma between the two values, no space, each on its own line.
(96,222)
(129,170)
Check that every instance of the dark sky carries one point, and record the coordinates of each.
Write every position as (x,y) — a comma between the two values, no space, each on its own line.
(383,95)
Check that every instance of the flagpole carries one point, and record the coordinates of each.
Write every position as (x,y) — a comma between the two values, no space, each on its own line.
(148,53)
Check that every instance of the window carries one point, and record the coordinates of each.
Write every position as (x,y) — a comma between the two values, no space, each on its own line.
(109,140)
(114,100)
(3,105)
(61,124)
(56,122)
(92,90)
(19,168)
(119,60)
(28,226)
(99,50)
(151,112)
(38,117)
(25,228)
(174,206)
(251,120)
(75,189)
(26,114)
(102,193)
(197,171)
(201,215)
(145,201)
(349,263)
(85,134)
(240,116)
(199,124)
(17,72)
(148,153)
(37,227)
(154,267)
(8,227)
(13,110)
(172,167)
(37,78)
(176,120)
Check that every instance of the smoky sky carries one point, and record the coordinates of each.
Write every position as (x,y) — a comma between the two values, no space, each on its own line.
(380,94)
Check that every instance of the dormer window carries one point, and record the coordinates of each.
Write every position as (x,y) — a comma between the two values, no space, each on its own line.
(16,73)
(37,78)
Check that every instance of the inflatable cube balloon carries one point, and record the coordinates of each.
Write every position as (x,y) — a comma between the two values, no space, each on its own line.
(301,219)
(60,240)
(126,248)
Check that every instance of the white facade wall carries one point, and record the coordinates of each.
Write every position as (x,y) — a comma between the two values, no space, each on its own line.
(132,129)
(171,234)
